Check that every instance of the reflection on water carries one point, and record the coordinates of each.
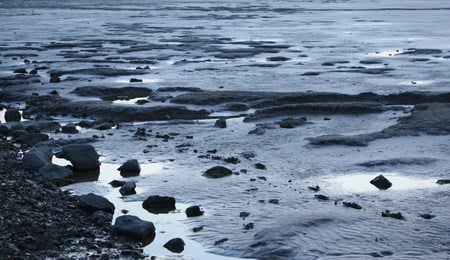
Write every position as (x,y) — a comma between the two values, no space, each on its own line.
(361,182)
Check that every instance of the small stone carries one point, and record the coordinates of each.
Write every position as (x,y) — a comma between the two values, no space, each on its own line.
(116,183)
(274,201)
(197,229)
(351,205)
(217,172)
(175,245)
(20,71)
(130,168)
(221,123)
(314,188)
(135,80)
(260,166)
(69,129)
(427,216)
(443,181)
(249,226)
(244,215)
(194,211)
(381,182)
(135,228)
(397,215)
(159,204)
(91,203)
(321,197)
(128,188)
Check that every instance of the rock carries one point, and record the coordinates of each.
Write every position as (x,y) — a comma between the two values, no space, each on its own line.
(159,204)
(102,218)
(130,168)
(69,129)
(443,181)
(4,131)
(221,123)
(249,226)
(103,126)
(135,80)
(426,216)
(321,197)
(381,182)
(292,122)
(351,205)
(197,229)
(244,215)
(217,172)
(194,211)
(116,183)
(175,245)
(257,131)
(54,78)
(12,115)
(274,201)
(388,214)
(20,71)
(314,188)
(128,188)
(36,158)
(237,107)
(82,156)
(134,228)
(54,172)
(260,166)
(91,203)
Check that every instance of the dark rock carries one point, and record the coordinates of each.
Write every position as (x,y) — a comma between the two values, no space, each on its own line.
(381,182)
(12,115)
(371,61)
(221,123)
(116,183)
(103,126)
(102,218)
(351,205)
(4,130)
(443,181)
(277,58)
(82,156)
(314,188)
(426,216)
(197,229)
(135,80)
(53,172)
(86,124)
(237,107)
(54,78)
(37,157)
(398,161)
(159,204)
(175,245)
(388,214)
(130,168)
(249,226)
(34,71)
(134,228)
(217,172)
(244,214)
(128,188)
(321,197)
(110,93)
(260,166)
(91,203)
(311,73)
(69,129)
(194,211)
(292,122)
(20,71)
(274,201)
(220,241)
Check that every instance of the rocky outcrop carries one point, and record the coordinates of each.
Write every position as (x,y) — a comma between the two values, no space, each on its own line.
(82,156)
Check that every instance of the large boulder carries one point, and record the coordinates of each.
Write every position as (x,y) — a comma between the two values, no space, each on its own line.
(134,228)
(381,182)
(54,172)
(12,115)
(91,203)
(159,204)
(175,245)
(217,172)
(37,157)
(82,156)
(130,168)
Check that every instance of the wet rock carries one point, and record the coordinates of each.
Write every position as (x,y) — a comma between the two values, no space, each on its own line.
(321,197)
(311,73)
(277,58)
(398,161)
(33,71)
(69,129)
(244,215)
(54,172)
(102,218)
(220,241)
(427,216)
(175,245)
(274,201)
(37,157)
(20,71)
(103,126)
(130,168)
(86,123)
(12,115)
(116,183)
(221,123)
(257,131)
(134,228)
(29,139)
(217,172)
(197,229)
(128,188)
(443,181)
(260,166)
(388,214)
(135,80)
(91,203)
(159,204)
(249,226)
(339,140)
(54,78)
(371,61)
(82,156)
(237,107)
(351,205)
(314,188)
(381,182)
(194,211)
(111,94)
(4,131)
(292,122)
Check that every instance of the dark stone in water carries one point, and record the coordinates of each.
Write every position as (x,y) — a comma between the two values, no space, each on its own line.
(244,215)
(274,201)
(159,204)
(237,107)
(130,168)
(351,205)
(116,183)
(82,156)
(292,122)
(311,73)
(260,166)
(91,203)
(128,188)
(221,123)
(388,214)
(20,71)
(443,181)
(197,229)
(381,182)
(249,226)
(220,241)
(12,115)
(314,188)
(134,80)
(217,172)
(134,228)
(193,211)
(426,216)
(69,129)
(321,197)
(175,245)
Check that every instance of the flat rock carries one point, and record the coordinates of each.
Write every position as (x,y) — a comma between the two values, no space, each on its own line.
(217,172)
(82,156)
(91,203)
(159,204)
(381,182)
(134,228)
(54,172)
